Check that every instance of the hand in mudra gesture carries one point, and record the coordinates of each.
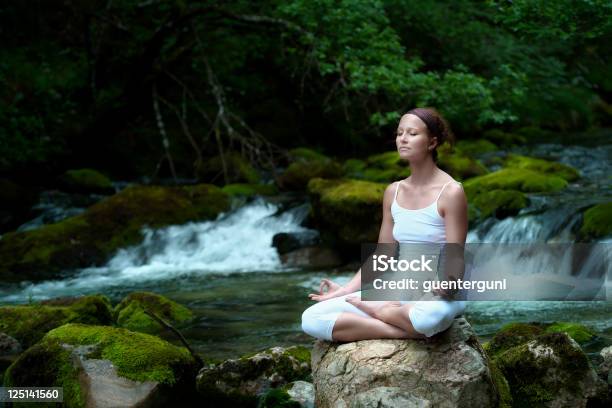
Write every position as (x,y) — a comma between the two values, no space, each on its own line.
(333,290)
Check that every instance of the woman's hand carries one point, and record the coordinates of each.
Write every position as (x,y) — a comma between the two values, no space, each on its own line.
(333,290)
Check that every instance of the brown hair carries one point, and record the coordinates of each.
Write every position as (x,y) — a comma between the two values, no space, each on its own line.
(436,126)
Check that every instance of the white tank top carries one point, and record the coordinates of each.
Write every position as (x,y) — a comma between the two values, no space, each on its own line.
(422,225)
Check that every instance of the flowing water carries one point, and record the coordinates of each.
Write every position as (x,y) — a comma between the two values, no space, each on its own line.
(245,300)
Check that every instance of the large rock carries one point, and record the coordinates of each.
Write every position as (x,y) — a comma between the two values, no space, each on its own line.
(449,370)
(241,382)
(605,368)
(379,168)
(545,366)
(458,163)
(597,221)
(106,367)
(348,210)
(306,165)
(312,258)
(93,236)
(86,181)
(525,180)
(28,324)
(543,166)
(130,312)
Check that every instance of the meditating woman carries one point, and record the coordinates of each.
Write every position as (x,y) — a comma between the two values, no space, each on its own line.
(427,207)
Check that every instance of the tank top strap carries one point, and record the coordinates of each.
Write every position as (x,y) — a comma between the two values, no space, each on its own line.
(442,189)
(396,190)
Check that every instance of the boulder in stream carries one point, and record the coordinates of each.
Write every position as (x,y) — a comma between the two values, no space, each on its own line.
(106,367)
(241,382)
(29,323)
(447,370)
(130,312)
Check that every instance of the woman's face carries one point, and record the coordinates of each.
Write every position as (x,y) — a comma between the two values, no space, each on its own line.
(412,139)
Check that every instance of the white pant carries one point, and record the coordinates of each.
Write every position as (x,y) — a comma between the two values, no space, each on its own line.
(427,316)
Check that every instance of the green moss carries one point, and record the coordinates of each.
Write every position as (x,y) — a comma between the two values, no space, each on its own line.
(116,222)
(28,324)
(597,221)
(527,181)
(499,203)
(543,166)
(131,314)
(277,398)
(576,331)
(511,335)
(47,364)
(137,356)
(301,171)
(379,168)
(348,208)
(249,190)
(538,379)
(385,160)
(300,353)
(459,163)
(501,385)
(86,180)
(352,166)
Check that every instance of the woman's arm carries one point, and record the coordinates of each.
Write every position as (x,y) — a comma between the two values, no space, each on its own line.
(385,236)
(453,207)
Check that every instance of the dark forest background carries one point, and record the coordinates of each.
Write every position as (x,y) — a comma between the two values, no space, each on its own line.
(153,88)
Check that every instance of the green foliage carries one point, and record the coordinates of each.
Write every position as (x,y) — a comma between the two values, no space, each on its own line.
(332,73)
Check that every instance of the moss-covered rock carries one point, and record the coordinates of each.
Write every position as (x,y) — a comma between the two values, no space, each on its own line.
(48,364)
(130,312)
(458,164)
(379,168)
(91,237)
(239,170)
(511,335)
(597,221)
(550,370)
(349,209)
(134,356)
(306,165)
(498,203)
(527,181)
(240,382)
(581,334)
(501,385)
(137,356)
(542,166)
(28,324)
(86,181)
(249,190)
(544,365)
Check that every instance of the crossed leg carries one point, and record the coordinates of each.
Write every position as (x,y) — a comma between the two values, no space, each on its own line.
(390,320)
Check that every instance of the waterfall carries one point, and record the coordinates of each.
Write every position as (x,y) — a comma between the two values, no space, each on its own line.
(240,241)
